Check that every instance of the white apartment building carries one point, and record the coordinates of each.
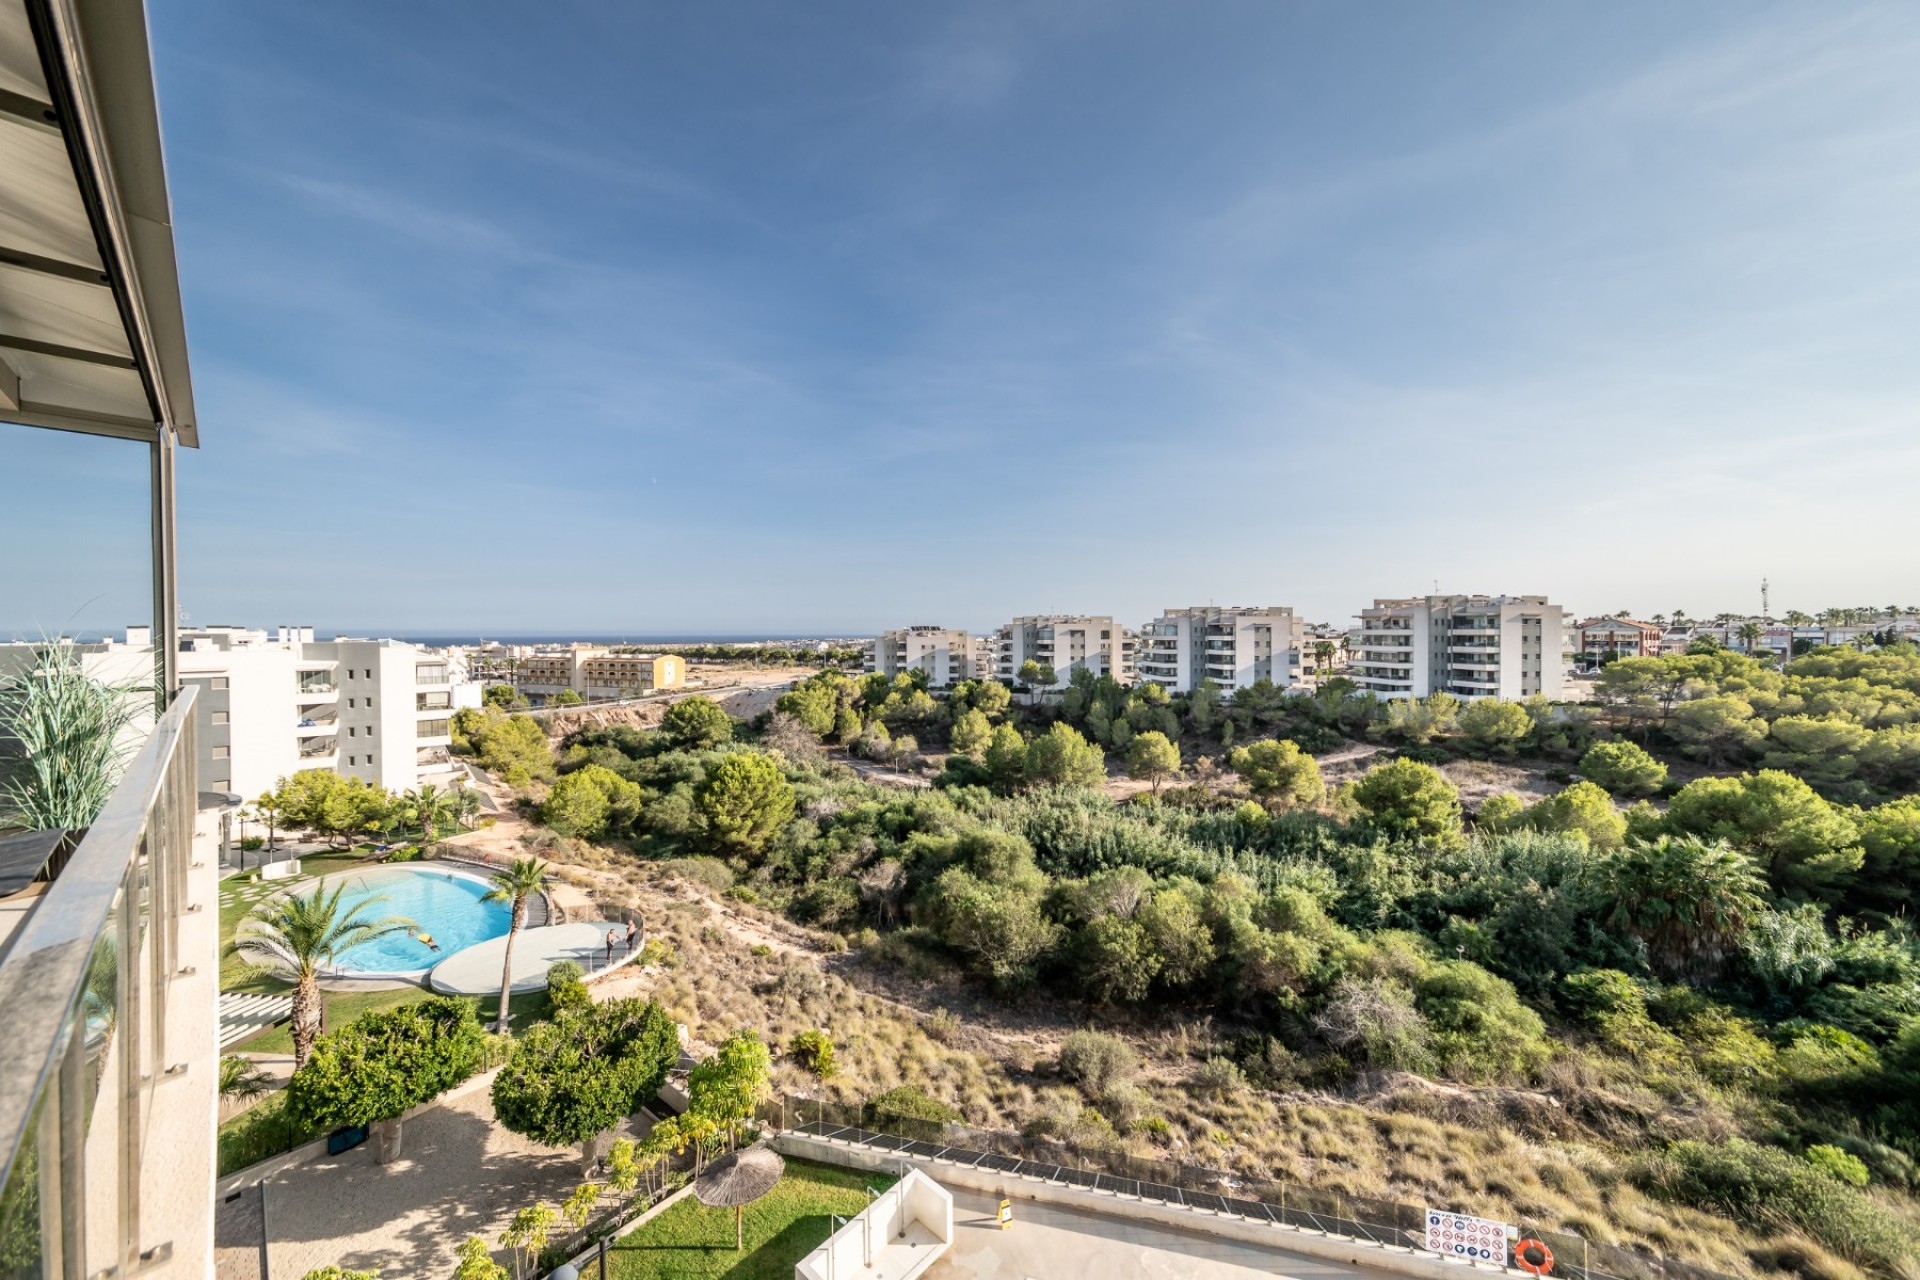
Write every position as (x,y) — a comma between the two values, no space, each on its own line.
(947,656)
(1469,646)
(1230,645)
(269,706)
(1065,642)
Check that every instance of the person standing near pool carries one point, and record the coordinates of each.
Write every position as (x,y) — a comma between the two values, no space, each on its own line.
(633,936)
(613,940)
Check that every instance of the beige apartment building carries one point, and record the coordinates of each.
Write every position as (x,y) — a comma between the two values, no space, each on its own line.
(1065,642)
(598,674)
(945,655)
(1231,646)
(1468,646)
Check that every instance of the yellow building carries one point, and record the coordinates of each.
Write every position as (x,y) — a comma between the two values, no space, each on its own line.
(599,675)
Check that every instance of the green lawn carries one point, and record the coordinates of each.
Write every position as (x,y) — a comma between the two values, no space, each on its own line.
(692,1242)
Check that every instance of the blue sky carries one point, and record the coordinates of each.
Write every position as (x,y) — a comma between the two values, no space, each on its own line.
(766,317)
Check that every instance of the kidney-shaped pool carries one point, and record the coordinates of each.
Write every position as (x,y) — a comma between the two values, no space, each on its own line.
(445,906)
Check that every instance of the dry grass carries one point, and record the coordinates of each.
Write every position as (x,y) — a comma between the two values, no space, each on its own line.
(1549,1158)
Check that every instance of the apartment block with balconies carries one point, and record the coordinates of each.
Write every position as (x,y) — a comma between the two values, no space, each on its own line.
(273,704)
(598,674)
(1468,646)
(945,655)
(1232,646)
(1065,642)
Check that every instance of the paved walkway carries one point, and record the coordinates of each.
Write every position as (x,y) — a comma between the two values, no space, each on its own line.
(459,1174)
(476,970)
(1050,1242)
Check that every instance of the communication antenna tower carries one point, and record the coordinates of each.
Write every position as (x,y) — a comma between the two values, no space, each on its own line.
(1766,609)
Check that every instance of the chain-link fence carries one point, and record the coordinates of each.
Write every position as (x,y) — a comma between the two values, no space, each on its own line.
(1330,1212)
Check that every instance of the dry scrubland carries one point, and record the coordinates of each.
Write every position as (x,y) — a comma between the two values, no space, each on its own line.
(1555,1156)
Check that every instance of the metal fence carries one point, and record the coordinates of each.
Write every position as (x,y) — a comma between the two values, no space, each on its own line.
(1325,1210)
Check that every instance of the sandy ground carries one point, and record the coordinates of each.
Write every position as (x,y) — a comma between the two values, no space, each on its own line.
(459,1174)
(747,692)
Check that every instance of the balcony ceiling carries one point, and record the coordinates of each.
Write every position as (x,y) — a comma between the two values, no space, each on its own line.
(91,333)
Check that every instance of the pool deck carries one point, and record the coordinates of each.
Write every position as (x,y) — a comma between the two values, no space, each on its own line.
(476,970)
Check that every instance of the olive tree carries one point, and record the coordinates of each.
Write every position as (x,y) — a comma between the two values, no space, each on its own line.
(382,1065)
(570,1081)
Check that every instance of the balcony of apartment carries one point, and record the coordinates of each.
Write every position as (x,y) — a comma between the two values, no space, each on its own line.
(431,673)
(319,753)
(316,686)
(442,700)
(108,1069)
(433,757)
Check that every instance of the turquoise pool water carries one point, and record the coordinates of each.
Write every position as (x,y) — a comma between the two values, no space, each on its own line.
(446,905)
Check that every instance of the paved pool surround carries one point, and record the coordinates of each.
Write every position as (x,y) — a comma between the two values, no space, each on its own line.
(476,970)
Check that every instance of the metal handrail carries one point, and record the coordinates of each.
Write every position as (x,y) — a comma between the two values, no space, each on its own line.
(44,975)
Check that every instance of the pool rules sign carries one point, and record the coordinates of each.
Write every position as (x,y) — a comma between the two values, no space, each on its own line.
(1476,1239)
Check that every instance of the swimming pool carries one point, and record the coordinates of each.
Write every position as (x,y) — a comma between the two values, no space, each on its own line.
(445,904)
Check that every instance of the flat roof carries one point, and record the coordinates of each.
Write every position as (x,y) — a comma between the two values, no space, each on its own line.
(92,337)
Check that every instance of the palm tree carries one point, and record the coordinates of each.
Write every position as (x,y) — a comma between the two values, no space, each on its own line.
(1686,899)
(1323,651)
(518,881)
(269,807)
(294,938)
(430,807)
(1750,633)
(466,804)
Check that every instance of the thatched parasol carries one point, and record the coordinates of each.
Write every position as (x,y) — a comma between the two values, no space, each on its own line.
(737,1179)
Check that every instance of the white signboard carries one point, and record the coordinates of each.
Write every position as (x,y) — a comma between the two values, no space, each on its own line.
(1455,1235)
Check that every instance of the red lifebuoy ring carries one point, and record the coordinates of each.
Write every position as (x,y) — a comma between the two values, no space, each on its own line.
(1533,1255)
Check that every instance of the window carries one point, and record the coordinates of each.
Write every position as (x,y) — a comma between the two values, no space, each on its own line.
(369,704)
(221,753)
(433,729)
(351,731)
(349,704)
(218,682)
(369,760)
(352,760)
(219,717)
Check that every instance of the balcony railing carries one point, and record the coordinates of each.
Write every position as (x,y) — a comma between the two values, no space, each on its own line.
(88,1051)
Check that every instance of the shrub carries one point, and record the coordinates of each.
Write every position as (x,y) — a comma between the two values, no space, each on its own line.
(1820,1056)
(566,985)
(910,1103)
(711,872)
(1480,1028)
(1407,798)
(814,1051)
(660,952)
(1097,1062)
(251,843)
(1376,1017)
(377,1067)
(1836,1163)
(1764,1185)
(1623,768)
(338,1273)
(941,1025)
(1218,1077)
